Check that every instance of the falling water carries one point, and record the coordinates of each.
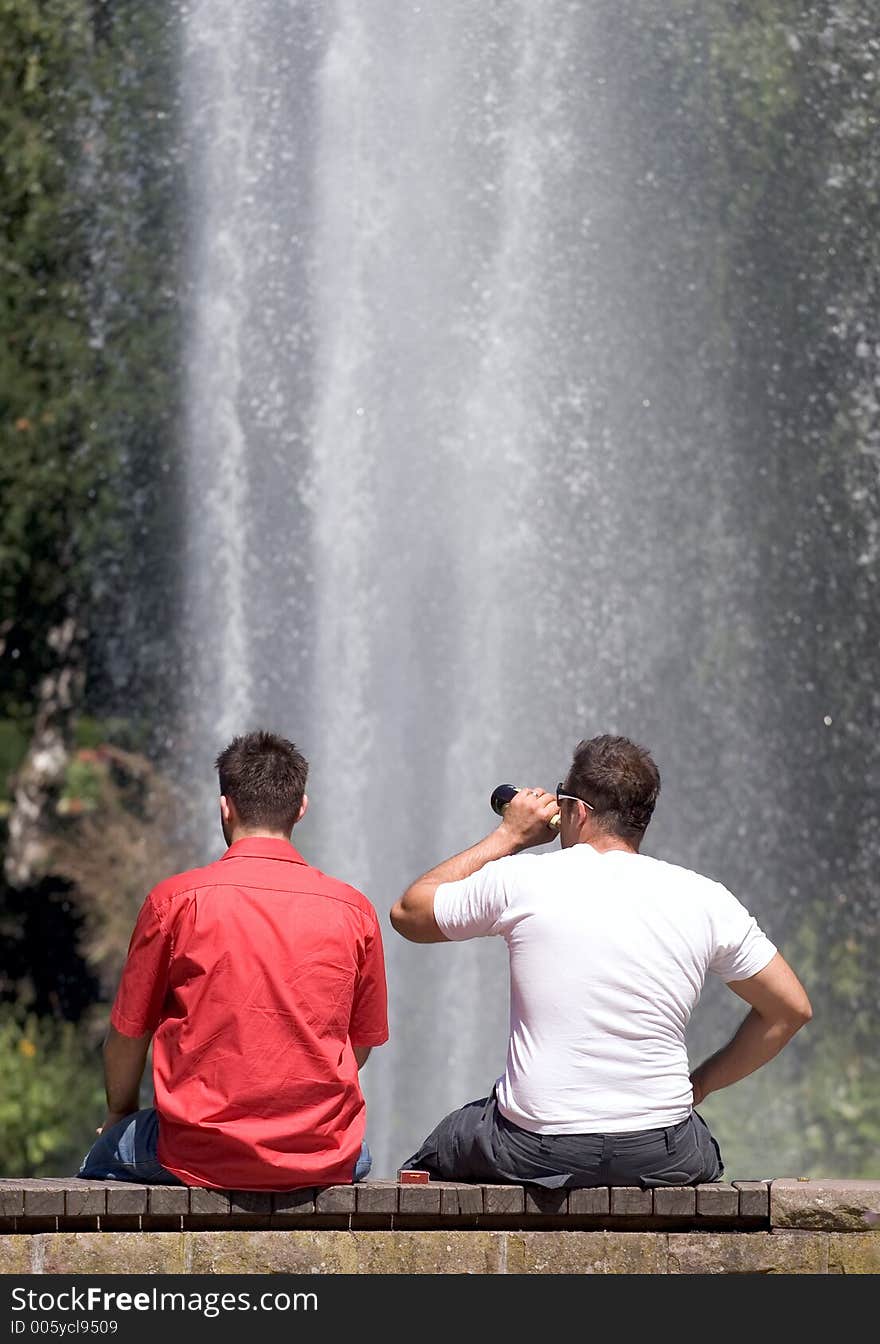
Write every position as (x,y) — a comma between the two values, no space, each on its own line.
(468,477)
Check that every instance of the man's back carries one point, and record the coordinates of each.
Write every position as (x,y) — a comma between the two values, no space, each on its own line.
(608,955)
(258,974)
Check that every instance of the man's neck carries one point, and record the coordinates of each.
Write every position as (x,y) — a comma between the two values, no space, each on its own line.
(607,844)
(245,833)
(603,843)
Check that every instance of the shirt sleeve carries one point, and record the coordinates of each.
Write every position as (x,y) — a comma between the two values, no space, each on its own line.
(369,1012)
(741,947)
(137,1007)
(472,907)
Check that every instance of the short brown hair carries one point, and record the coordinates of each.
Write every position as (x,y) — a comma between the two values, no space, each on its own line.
(619,779)
(264,777)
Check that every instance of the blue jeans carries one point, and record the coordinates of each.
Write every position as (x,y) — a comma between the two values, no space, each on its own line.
(127,1152)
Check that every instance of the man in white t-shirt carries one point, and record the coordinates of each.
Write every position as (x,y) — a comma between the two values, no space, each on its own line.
(609,950)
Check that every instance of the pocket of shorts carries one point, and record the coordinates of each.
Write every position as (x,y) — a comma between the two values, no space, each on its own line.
(676,1172)
(648,1182)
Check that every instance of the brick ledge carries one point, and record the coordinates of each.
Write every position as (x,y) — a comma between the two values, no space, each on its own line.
(65,1204)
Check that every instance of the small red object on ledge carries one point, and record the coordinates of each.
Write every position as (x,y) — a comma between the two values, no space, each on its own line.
(413,1177)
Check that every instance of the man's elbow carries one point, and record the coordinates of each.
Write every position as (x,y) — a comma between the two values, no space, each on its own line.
(406,922)
(413,917)
(398,917)
(797,1016)
(405,919)
(409,911)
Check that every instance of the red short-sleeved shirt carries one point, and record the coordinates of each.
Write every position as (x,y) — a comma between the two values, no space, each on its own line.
(257,974)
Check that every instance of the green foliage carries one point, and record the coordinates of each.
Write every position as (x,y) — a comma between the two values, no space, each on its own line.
(51,1096)
(48,474)
(89,312)
(82,783)
(813,1111)
(89,732)
(94,744)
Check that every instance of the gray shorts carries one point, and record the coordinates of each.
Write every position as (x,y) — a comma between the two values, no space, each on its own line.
(477,1143)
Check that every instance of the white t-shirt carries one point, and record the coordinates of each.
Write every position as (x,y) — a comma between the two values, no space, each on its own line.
(608,955)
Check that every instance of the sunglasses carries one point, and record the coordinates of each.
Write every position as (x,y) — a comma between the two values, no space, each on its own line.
(560,794)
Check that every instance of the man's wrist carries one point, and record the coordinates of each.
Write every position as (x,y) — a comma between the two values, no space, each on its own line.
(127,1107)
(511,840)
(700,1083)
(498,844)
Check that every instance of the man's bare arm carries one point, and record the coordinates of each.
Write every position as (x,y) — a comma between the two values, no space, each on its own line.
(779,1008)
(361,1054)
(525,823)
(124,1060)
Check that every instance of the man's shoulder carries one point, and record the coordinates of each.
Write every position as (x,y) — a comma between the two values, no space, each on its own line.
(543,864)
(678,878)
(187,880)
(643,870)
(299,876)
(337,889)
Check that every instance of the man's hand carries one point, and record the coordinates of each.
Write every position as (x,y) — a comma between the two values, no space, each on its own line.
(527,818)
(112,1118)
(697,1086)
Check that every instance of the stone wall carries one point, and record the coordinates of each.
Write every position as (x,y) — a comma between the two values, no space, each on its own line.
(774,1227)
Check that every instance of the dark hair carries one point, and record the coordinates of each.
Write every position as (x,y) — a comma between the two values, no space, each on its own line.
(264,777)
(621,781)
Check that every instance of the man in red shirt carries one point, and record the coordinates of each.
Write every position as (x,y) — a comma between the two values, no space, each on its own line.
(261,983)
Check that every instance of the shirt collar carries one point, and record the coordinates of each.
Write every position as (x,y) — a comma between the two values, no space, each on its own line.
(263,847)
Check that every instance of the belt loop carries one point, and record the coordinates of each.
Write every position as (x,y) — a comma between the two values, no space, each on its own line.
(669,1136)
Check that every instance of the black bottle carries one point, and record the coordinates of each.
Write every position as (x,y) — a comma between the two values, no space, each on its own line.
(501,796)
